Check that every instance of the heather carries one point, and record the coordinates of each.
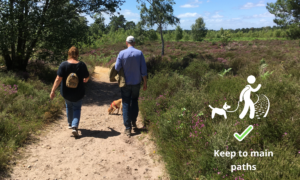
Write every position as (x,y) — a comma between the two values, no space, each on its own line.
(191,76)
(25,107)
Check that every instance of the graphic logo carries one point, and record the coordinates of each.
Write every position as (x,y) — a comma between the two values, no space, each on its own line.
(259,108)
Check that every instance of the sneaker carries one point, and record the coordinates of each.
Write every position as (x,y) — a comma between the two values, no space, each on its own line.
(127,132)
(75,133)
(70,127)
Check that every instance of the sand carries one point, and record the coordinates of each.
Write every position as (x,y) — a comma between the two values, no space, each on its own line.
(101,152)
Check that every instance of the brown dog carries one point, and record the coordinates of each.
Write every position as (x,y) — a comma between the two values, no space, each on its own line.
(117,104)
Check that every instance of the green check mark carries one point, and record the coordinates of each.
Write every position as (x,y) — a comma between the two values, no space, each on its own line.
(244,134)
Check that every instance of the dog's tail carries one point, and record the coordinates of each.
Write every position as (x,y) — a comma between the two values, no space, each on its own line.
(210,107)
(236,108)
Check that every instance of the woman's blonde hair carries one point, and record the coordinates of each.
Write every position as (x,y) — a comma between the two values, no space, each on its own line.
(73,53)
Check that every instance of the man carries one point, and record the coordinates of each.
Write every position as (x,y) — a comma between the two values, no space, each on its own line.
(133,63)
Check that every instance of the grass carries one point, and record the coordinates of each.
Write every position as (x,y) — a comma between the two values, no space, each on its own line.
(181,85)
(184,81)
(244,39)
(25,106)
(187,141)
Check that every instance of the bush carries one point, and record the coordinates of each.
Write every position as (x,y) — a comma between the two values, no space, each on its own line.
(152,36)
(186,36)
(178,33)
(24,107)
(277,33)
(225,38)
(179,116)
(293,32)
(199,30)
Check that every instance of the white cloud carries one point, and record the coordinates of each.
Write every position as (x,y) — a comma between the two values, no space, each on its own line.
(213,20)
(128,13)
(217,15)
(250,5)
(263,20)
(192,4)
(186,15)
(207,14)
(264,15)
(134,20)
(189,6)
(260,4)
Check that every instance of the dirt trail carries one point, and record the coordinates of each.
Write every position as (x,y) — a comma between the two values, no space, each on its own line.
(101,152)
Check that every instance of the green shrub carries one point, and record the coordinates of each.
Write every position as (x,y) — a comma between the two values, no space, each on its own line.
(197,71)
(225,38)
(178,33)
(173,105)
(199,30)
(24,107)
(152,35)
(293,32)
(277,33)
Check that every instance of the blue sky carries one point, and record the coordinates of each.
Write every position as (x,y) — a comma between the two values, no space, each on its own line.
(229,14)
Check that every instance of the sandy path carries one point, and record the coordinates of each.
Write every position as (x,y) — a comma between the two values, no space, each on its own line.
(102,151)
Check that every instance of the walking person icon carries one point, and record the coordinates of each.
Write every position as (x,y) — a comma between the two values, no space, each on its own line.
(245,95)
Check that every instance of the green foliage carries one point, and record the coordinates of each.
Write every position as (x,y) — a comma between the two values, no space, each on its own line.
(28,26)
(117,22)
(199,30)
(186,36)
(152,36)
(139,33)
(222,31)
(178,33)
(286,12)
(24,108)
(130,25)
(182,85)
(293,31)
(224,72)
(262,70)
(160,13)
(98,27)
(225,38)
(277,33)
(179,117)
(265,75)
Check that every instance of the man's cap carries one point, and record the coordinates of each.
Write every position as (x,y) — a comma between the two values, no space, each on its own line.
(130,39)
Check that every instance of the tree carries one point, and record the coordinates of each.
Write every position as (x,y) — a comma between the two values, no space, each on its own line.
(287,12)
(117,22)
(160,13)
(178,33)
(199,30)
(221,31)
(151,34)
(98,25)
(139,33)
(49,25)
(129,25)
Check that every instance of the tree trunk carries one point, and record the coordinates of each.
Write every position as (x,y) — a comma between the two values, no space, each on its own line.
(8,61)
(16,64)
(17,59)
(162,41)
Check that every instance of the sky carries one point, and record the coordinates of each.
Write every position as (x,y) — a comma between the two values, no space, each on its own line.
(227,14)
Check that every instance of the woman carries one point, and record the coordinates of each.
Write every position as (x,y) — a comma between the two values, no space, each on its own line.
(72,96)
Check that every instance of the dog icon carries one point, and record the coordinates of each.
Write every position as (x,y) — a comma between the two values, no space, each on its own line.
(220,111)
